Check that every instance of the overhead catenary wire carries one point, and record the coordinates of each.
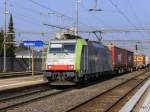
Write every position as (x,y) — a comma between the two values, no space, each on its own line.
(122,13)
(52,11)
(28,19)
(23,7)
(47,7)
(43,6)
(137,18)
(57,13)
(96,16)
(17,14)
(134,14)
(25,18)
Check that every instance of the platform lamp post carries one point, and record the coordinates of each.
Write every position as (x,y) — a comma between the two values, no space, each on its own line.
(29,69)
(33,62)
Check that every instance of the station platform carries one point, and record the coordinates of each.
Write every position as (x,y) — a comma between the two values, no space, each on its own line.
(140,102)
(12,83)
(145,104)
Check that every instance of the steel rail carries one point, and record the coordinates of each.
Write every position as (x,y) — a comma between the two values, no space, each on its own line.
(29,92)
(125,95)
(17,74)
(105,92)
(44,96)
(28,100)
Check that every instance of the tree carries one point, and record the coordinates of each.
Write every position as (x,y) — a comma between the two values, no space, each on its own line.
(1,43)
(10,48)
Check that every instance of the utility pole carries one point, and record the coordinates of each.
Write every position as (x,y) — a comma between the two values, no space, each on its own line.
(5,12)
(77,16)
(94,8)
(95,5)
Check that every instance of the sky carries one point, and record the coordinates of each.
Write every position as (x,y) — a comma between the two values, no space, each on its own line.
(31,15)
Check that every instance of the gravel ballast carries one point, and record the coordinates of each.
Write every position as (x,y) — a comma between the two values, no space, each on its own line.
(67,100)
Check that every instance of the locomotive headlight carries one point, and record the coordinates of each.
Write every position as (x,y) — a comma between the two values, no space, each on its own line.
(71,67)
(49,67)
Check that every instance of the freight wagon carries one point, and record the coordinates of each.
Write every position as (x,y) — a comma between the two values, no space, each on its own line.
(147,61)
(139,61)
(122,59)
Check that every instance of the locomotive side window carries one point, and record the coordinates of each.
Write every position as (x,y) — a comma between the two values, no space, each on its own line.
(62,48)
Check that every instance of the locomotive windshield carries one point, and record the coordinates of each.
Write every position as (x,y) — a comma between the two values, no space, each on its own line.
(62,48)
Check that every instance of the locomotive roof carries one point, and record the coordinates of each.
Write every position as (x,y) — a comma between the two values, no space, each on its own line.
(96,43)
(63,41)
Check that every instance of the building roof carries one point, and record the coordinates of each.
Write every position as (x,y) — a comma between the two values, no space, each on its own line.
(28,54)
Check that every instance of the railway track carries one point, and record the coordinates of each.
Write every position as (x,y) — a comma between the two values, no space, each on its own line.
(19,96)
(18,74)
(48,94)
(113,99)
(37,92)
(33,93)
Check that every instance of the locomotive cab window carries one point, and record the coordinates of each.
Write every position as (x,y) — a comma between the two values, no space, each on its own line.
(69,48)
(62,48)
(55,48)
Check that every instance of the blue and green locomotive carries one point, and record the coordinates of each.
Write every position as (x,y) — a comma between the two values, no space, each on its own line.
(72,61)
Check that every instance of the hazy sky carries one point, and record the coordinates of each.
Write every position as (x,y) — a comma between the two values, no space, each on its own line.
(30,17)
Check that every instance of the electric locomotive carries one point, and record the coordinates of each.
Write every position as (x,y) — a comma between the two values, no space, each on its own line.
(76,60)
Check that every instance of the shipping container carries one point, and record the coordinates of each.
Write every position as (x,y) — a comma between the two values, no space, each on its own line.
(130,62)
(122,59)
(130,56)
(118,57)
(147,60)
(139,61)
